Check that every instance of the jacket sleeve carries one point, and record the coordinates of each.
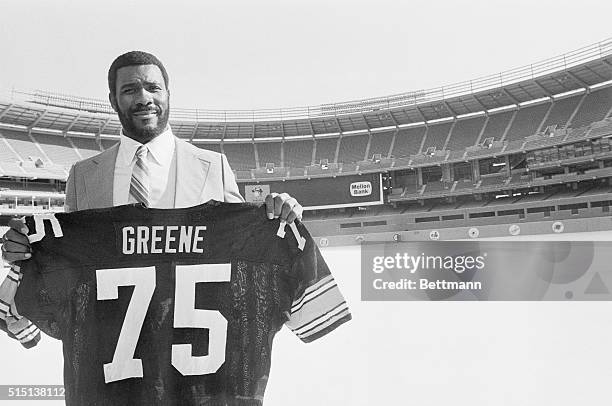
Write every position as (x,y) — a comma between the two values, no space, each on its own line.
(231,193)
(70,204)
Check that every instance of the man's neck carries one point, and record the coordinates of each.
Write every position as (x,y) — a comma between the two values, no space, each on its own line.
(140,138)
(143,138)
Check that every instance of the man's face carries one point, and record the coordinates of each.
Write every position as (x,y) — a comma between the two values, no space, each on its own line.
(141,100)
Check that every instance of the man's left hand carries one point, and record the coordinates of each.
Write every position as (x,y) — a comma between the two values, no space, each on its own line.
(284,207)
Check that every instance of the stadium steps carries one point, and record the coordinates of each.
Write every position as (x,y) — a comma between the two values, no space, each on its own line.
(436,136)
(7,152)
(548,111)
(422,144)
(562,110)
(21,146)
(85,147)
(575,112)
(595,107)
(57,149)
(298,153)
(576,133)
(368,146)
(241,157)
(482,130)
(601,128)
(450,134)
(325,148)
(465,133)
(408,142)
(39,147)
(268,152)
(381,144)
(352,148)
(12,169)
(526,121)
(496,125)
(75,149)
(509,126)
(542,141)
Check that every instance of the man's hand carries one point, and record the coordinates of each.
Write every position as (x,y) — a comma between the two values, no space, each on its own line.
(15,243)
(284,207)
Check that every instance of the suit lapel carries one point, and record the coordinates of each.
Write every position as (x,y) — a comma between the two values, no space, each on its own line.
(191,173)
(99,179)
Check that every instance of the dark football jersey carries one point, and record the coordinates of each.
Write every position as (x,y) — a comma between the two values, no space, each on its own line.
(173,307)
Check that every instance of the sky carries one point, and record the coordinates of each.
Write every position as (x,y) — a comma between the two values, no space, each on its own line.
(271,54)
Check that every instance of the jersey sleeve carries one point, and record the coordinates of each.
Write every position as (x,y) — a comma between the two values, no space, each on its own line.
(32,301)
(318,306)
(16,326)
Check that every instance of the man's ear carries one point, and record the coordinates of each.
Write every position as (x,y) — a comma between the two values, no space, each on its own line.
(113,101)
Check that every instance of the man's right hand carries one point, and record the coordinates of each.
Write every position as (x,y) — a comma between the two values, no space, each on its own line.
(15,243)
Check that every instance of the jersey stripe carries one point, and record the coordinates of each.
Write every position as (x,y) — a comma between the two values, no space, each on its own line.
(11,277)
(304,328)
(15,274)
(27,333)
(311,288)
(313,295)
(314,308)
(329,324)
(18,327)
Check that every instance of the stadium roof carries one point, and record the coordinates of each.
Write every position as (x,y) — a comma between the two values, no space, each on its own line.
(584,68)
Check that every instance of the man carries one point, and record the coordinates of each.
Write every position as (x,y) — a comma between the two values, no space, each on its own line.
(149,165)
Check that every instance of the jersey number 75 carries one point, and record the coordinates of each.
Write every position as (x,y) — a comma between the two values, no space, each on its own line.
(124,365)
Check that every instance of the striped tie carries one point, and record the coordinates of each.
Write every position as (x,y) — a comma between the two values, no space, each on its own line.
(139,186)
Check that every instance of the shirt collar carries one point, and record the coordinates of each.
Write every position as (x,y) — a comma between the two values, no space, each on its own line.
(160,147)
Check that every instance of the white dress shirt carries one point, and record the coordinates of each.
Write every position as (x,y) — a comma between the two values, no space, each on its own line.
(161,161)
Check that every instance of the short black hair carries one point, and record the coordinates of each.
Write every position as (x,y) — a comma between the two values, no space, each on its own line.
(130,59)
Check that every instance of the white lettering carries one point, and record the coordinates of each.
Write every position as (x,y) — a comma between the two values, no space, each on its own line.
(128,242)
(198,238)
(142,239)
(185,239)
(156,238)
(170,239)
(163,239)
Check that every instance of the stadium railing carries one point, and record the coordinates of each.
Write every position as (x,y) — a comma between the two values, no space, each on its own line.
(527,72)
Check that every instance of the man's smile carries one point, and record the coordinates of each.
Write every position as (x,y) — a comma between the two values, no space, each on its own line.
(146,114)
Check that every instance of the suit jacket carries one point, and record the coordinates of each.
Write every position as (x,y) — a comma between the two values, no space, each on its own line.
(201,175)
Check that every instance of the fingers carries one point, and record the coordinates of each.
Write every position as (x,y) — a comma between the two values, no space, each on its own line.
(284,207)
(15,244)
(279,203)
(18,225)
(291,210)
(270,205)
(12,252)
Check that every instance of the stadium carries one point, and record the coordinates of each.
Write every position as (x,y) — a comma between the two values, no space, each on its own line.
(519,151)
(525,151)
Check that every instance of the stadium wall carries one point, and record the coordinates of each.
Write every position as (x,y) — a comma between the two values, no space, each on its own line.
(322,193)
(556,230)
